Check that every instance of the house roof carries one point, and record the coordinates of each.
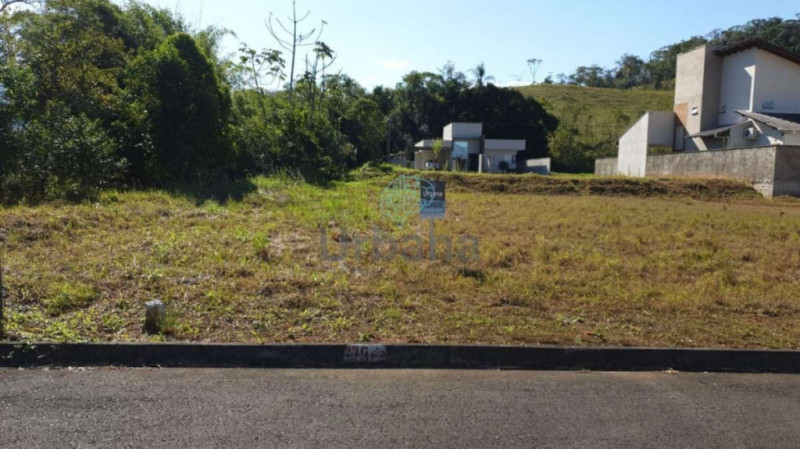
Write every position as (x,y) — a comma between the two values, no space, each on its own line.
(715,131)
(760,44)
(782,121)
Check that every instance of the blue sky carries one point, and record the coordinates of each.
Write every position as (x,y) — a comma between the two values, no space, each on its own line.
(378,40)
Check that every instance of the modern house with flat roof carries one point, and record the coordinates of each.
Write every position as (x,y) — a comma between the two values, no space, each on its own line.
(464,147)
(736,114)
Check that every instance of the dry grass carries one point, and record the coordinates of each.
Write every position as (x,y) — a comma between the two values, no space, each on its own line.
(665,270)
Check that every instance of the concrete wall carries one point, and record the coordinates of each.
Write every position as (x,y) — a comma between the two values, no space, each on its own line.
(632,154)
(792,139)
(736,88)
(736,137)
(777,81)
(421,157)
(505,144)
(461,130)
(654,128)
(606,166)
(697,89)
(540,166)
(660,128)
(771,170)
(787,171)
(767,135)
(492,159)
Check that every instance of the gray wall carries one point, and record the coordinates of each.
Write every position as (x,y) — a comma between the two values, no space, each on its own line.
(787,171)
(697,80)
(772,170)
(606,166)
(654,128)
(540,166)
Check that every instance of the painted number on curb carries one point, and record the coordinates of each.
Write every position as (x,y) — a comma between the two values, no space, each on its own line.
(365,353)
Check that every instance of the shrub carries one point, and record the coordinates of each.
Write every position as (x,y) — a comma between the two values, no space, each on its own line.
(60,156)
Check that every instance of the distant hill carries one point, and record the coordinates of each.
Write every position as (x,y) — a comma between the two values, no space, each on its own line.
(592,119)
(600,101)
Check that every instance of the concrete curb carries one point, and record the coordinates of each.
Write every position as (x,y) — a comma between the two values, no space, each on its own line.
(398,356)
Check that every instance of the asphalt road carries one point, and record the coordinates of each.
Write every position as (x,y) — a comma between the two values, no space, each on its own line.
(195,408)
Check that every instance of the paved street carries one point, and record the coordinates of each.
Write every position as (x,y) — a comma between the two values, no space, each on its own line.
(194,408)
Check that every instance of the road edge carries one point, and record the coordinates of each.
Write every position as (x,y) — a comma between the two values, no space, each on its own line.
(399,356)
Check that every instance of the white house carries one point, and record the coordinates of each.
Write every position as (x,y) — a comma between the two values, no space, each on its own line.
(744,96)
(465,147)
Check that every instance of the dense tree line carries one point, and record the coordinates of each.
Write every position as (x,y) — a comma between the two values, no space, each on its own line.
(659,70)
(94,95)
(423,103)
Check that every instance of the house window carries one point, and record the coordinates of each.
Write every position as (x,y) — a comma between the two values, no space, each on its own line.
(460,155)
(723,109)
(769,104)
(460,149)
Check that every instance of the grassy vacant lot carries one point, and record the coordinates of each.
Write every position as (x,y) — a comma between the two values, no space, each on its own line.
(603,262)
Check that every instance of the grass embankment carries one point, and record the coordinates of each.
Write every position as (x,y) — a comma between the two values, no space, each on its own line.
(705,189)
(567,269)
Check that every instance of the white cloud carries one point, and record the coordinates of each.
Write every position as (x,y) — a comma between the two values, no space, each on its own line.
(398,64)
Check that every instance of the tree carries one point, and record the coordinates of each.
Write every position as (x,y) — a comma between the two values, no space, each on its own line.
(479,72)
(64,155)
(323,59)
(591,76)
(661,66)
(76,52)
(365,126)
(183,109)
(533,66)
(631,71)
(257,70)
(437,147)
(293,38)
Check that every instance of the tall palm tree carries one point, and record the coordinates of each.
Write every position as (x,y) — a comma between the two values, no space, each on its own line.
(481,78)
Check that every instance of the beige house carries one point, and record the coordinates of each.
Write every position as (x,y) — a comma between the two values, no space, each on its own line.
(464,147)
(741,97)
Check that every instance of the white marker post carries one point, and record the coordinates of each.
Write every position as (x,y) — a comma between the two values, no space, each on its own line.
(431,246)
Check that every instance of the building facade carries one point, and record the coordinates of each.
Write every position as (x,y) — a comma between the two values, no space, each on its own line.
(465,148)
(743,96)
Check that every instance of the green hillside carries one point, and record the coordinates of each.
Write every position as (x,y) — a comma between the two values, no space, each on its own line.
(601,101)
(592,119)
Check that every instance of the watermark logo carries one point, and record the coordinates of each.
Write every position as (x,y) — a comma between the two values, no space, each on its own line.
(404,198)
